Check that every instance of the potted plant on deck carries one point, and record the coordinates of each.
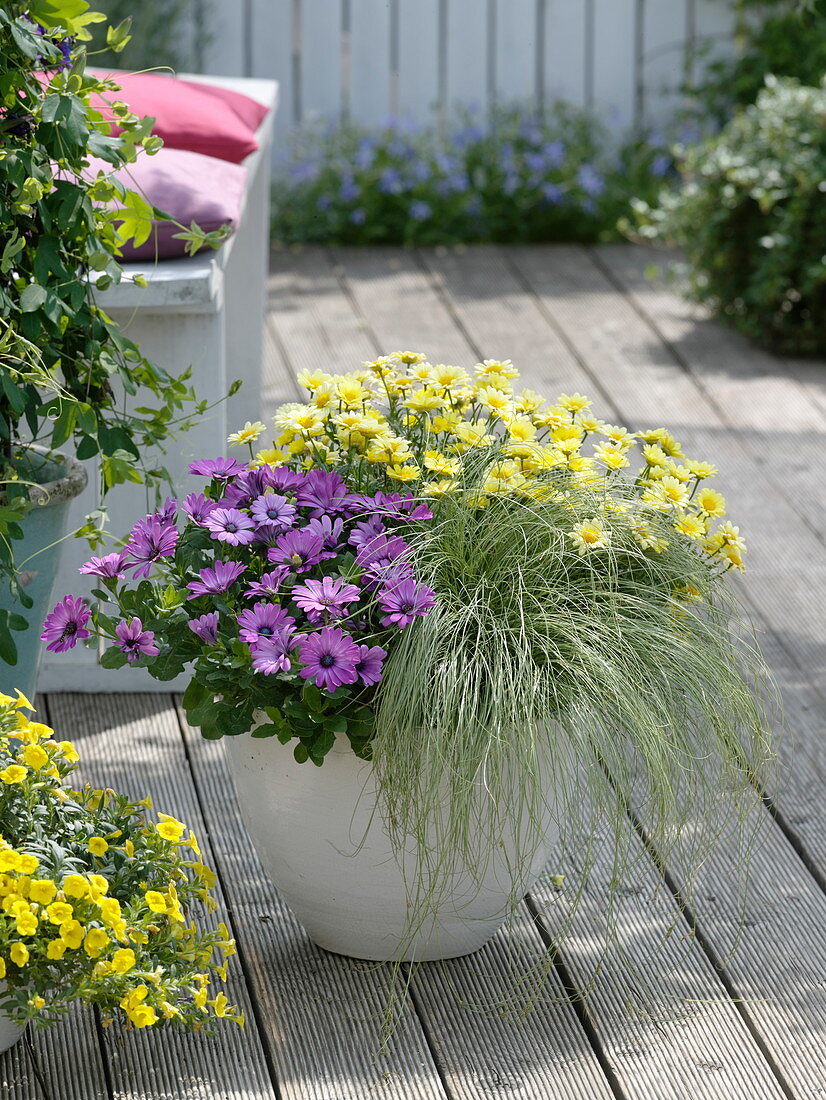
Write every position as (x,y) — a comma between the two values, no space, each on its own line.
(416,690)
(68,375)
(96,897)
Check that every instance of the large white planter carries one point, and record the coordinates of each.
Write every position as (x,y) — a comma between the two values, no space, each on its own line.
(10,1032)
(321,839)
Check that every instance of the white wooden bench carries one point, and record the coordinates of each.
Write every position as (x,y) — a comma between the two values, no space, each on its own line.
(206,311)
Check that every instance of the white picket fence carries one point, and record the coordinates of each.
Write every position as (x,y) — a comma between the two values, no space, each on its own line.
(370,59)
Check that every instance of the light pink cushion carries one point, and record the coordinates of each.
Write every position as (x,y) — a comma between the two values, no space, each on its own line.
(188,186)
(187,115)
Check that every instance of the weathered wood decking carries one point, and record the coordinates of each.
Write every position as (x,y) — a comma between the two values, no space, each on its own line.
(754,1024)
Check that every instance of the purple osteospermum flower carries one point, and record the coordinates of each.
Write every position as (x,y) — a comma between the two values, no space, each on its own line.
(297,551)
(265,620)
(271,655)
(134,641)
(329,529)
(107,567)
(268,586)
(329,596)
(401,505)
(369,663)
(218,468)
(198,507)
(273,510)
(324,492)
(205,627)
(219,579)
(330,657)
(366,530)
(149,540)
(230,525)
(384,560)
(404,601)
(64,626)
(281,479)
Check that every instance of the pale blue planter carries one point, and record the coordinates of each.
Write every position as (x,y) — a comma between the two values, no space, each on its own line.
(60,480)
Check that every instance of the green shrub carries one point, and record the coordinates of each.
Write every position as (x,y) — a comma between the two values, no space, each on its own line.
(519,176)
(782,38)
(751,218)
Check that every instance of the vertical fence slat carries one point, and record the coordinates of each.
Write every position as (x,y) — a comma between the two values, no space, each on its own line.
(663,60)
(614,59)
(515,50)
(370,60)
(320,57)
(467,52)
(715,24)
(272,49)
(418,57)
(223,48)
(565,51)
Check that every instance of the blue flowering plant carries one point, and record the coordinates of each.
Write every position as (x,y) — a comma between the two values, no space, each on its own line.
(281,589)
(520,174)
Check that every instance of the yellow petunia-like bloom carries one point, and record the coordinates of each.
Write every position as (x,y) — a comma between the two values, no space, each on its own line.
(14,773)
(97,846)
(170,828)
(35,756)
(19,954)
(591,534)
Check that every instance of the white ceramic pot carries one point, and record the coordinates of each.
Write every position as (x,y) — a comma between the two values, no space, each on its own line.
(325,848)
(10,1031)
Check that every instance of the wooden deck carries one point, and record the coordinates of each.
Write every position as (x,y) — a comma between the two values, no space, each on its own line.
(754,1020)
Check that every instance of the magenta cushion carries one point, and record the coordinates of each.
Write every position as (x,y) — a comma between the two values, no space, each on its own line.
(187,116)
(188,186)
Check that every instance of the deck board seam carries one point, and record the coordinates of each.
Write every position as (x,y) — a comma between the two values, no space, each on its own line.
(685,366)
(255,1008)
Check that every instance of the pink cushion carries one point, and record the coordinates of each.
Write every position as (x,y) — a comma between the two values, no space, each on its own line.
(250,111)
(187,116)
(188,186)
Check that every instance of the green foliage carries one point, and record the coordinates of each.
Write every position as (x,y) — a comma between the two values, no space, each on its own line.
(785,38)
(98,896)
(751,218)
(158,35)
(68,373)
(520,176)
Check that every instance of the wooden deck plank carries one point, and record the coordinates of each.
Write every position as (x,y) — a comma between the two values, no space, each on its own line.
(754,392)
(780,964)
(650,1058)
(321,1012)
(315,323)
(133,743)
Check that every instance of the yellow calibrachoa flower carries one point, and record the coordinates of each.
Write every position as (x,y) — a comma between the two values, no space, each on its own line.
(35,756)
(14,773)
(156,901)
(170,828)
(98,846)
(19,954)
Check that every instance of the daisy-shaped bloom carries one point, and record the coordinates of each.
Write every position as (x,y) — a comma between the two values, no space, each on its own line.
(248,434)
(329,596)
(297,551)
(271,655)
(330,658)
(106,567)
(282,480)
(219,579)
(611,455)
(710,502)
(231,526)
(591,534)
(329,529)
(198,507)
(324,492)
(205,627)
(217,468)
(382,557)
(134,641)
(267,587)
(367,530)
(265,620)
(149,540)
(273,510)
(64,626)
(404,601)
(369,663)
(574,402)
